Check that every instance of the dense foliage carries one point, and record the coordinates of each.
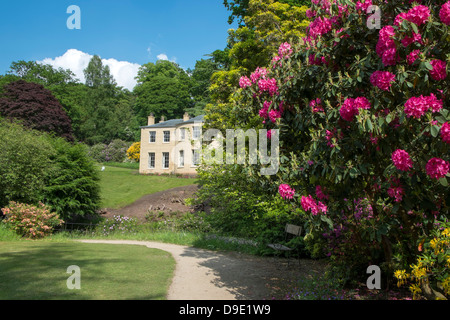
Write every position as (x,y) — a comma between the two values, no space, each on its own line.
(72,188)
(36,167)
(363,119)
(36,107)
(25,161)
(33,222)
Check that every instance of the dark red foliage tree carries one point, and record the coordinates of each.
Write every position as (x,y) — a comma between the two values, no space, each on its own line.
(36,108)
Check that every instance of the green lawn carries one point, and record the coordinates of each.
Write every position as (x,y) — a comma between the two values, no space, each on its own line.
(123,186)
(38,271)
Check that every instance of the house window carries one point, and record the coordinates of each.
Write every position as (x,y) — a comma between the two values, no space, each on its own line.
(196,133)
(151,160)
(182,134)
(152,136)
(166,136)
(195,158)
(181,159)
(165,160)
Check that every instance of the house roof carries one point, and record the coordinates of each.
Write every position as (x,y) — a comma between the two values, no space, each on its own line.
(174,123)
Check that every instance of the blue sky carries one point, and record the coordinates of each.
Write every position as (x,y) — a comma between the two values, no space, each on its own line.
(127,33)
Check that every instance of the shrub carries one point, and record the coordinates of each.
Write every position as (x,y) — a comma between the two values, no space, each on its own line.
(360,112)
(134,152)
(429,275)
(115,151)
(34,222)
(72,189)
(24,163)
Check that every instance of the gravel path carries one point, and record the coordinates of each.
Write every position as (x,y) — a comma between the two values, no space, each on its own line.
(210,275)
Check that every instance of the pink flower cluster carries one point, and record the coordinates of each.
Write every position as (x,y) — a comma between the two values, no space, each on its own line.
(412,57)
(418,14)
(257,74)
(362,7)
(437,168)
(401,159)
(417,106)
(316,105)
(319,27)
(245,82)
(386,48)
(445,132)
(330,135)
(382,79)
(320,193)
(396,190)
(269,85)
(444,13)
(417,37)
(439,71)
(309,203)
(286,192)
(273,114)
(285,50)
(350,107)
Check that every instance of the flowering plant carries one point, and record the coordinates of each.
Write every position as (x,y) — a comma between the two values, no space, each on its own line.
(363,113)
(30,221)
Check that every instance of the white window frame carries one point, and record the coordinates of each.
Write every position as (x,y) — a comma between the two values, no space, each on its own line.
(195,152)
(165,158)
(182,134)
(196,132)
(164,136)
(151,159)
(181,159)
(152,133)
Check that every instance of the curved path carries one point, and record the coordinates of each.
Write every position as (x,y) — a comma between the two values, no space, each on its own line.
(210,275)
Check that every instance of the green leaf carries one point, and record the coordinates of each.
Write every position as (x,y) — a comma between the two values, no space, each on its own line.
(435,131)
(428,65)
(414,27)
(443,181)
(369,125)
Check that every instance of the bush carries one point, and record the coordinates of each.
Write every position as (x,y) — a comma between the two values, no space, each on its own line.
(430,273)
(363,121)
(134,152)
(24,163)
(115,151)
(34,222)
(72,189)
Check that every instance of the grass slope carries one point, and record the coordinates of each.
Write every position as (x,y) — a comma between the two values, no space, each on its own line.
(123,186)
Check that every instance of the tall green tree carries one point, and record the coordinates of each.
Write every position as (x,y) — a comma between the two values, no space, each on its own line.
(162,89)
(108,109)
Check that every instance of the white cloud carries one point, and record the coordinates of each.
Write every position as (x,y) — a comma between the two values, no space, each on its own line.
(75,60)
(162,56)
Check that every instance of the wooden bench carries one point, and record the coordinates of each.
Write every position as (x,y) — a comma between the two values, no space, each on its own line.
(289,231)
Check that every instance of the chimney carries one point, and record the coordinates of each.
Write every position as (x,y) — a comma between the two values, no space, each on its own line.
(151,119)
(162,119)
(186,116)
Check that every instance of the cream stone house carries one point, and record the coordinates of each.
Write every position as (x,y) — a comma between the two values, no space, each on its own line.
(171,146)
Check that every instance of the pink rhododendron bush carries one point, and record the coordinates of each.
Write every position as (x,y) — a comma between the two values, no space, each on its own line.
(364,124)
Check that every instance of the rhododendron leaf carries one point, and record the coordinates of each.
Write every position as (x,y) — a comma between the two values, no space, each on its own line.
(435,131)
(389,118)
(443,181)
(440,119)
(369,125)
(428,65)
